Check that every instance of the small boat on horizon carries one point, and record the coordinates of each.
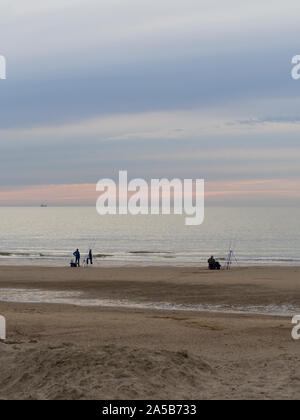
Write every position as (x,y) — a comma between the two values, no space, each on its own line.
(44,205)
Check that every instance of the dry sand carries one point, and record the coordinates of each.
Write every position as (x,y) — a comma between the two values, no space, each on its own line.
(70,352)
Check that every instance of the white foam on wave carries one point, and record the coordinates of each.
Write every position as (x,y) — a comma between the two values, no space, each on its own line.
(78,299)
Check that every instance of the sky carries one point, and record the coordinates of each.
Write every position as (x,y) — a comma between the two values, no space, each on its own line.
(160,88)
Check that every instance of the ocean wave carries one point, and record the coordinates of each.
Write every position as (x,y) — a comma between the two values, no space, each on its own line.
(270,259)
(103,255)
(184,258)
(78,299)
(29,255)
(150,252)
(16,254)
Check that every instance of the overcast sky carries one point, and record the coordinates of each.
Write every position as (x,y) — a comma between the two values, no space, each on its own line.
(175,88)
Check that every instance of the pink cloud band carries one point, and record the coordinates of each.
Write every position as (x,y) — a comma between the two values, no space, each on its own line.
(80,194)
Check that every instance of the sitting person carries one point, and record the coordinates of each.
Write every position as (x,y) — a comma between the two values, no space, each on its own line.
(213,264)
(73,264)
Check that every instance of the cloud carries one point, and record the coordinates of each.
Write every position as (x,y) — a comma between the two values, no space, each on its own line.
(271,120)
(85,194)
(158,88)
(82,24)
(80,59)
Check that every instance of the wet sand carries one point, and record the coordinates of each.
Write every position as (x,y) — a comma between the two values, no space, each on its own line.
(74,352)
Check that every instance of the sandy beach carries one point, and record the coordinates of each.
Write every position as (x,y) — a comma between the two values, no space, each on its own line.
(64,351)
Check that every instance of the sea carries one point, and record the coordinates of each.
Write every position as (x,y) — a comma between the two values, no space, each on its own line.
(48,236)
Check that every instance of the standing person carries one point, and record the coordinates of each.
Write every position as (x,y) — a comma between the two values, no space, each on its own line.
(90,258)
(77,257)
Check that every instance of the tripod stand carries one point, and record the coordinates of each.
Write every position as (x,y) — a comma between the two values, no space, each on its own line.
(230,258)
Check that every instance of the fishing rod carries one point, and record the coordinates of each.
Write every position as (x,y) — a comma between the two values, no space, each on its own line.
(231,255)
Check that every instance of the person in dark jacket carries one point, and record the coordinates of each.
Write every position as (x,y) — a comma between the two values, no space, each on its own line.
(90,258)
(77,257)
(213,264)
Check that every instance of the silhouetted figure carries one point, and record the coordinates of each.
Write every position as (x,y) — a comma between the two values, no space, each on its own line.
(213,264)
(73,264)
(77,257)
(90,258)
